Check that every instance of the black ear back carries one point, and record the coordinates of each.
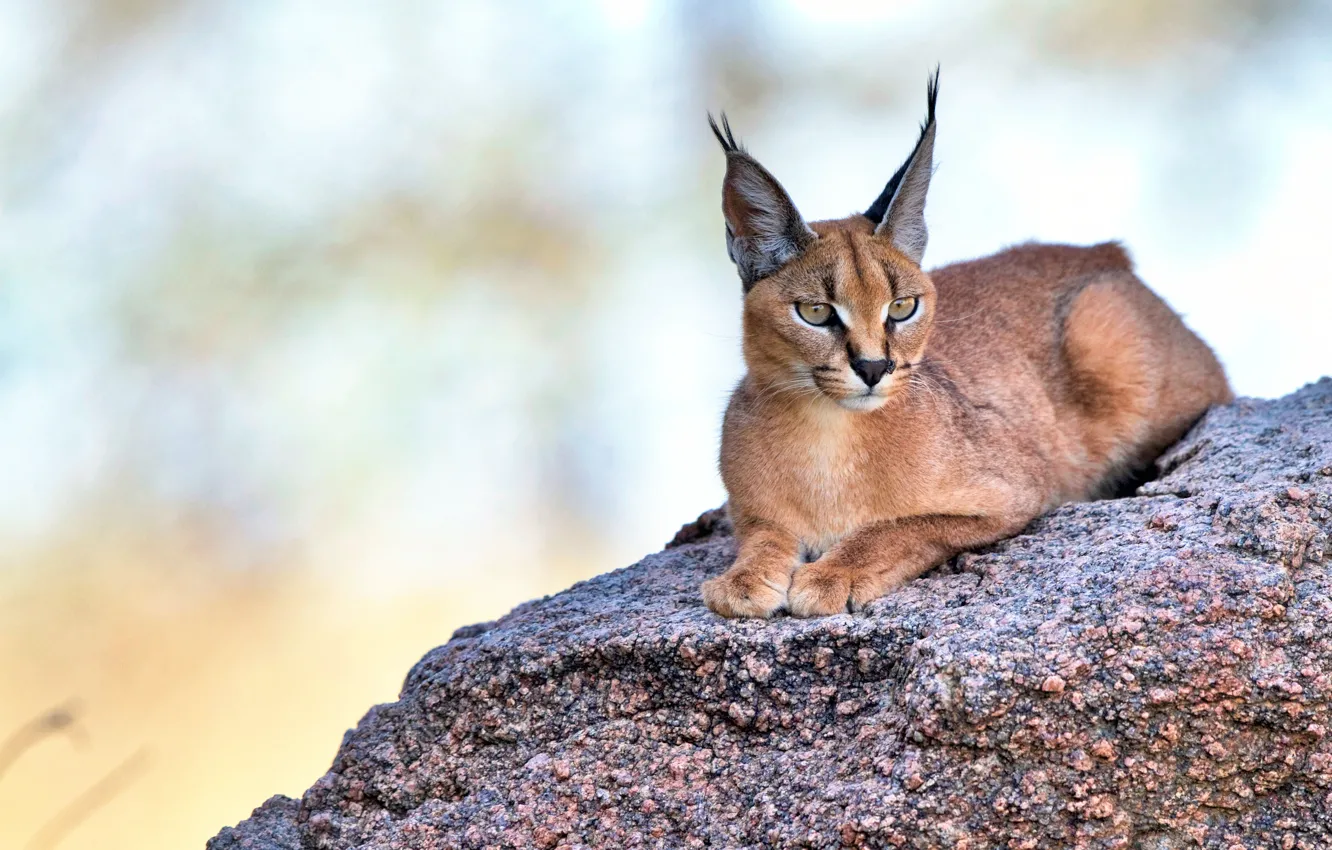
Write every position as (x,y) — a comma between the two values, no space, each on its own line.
(899,211)
(764,230)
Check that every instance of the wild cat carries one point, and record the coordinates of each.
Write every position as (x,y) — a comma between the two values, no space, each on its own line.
(891,418)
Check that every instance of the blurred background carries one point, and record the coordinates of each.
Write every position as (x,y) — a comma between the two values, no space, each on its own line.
(327,327)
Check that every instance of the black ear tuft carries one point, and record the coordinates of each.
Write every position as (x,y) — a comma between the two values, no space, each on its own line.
(879,208)
(764,230)
(724,134)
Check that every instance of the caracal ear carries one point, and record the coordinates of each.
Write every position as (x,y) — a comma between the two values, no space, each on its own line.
(899,211)
(764,230)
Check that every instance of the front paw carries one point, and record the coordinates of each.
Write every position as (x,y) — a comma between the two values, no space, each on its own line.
(744,593)
(820,589)
(829,587)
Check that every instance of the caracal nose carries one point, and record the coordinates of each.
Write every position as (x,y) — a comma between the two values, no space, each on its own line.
(872,371)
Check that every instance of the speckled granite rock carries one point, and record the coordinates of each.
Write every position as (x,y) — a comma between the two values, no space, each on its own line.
(1150,672)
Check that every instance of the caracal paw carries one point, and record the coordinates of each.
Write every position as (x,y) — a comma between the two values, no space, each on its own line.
(744,593)
(819,590)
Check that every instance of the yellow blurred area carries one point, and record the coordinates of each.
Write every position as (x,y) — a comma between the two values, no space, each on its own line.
(217,686)
(328,326)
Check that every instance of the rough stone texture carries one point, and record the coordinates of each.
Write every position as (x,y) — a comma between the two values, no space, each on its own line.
(1148,672)
(274,824)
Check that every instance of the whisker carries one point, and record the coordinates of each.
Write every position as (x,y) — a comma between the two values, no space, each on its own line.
(956,319)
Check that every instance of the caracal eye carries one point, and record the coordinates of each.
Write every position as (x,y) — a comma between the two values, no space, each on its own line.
(816,314)
(902,309)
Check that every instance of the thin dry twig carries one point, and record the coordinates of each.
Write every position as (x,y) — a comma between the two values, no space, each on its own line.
(99,794)
(61,719)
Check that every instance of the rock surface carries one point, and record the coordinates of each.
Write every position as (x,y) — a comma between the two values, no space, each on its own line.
(1148,672)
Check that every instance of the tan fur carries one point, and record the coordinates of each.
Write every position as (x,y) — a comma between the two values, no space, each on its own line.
(1039,375)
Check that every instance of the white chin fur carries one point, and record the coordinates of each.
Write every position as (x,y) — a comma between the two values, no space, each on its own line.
(862,402)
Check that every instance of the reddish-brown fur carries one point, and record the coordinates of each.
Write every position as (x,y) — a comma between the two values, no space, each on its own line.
(1039,375)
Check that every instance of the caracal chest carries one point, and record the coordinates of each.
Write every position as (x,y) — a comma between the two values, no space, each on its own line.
(833,487)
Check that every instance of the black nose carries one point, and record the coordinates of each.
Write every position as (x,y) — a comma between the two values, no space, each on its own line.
(871,371)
